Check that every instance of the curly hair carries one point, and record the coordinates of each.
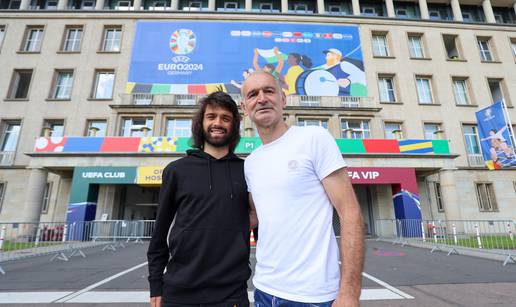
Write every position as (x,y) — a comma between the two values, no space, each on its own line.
(219,99)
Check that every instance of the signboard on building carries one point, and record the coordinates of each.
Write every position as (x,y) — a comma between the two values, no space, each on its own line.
(496,137)
(200,57)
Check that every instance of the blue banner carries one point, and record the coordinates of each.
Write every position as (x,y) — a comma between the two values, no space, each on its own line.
(200,57)
(495,138)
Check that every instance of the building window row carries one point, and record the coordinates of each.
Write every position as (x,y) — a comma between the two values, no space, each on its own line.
(400,9)
(381,46)
(62,84)
(32,40)
(388,91)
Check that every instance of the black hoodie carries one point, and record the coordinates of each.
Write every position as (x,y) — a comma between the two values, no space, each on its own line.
(206,255)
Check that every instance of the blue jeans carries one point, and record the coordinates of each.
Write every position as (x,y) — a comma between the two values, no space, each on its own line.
(262,299)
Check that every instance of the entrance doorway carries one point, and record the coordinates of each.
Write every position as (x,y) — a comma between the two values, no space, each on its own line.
(138,203)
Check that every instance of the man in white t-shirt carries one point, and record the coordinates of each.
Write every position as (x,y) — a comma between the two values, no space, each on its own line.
(295,179)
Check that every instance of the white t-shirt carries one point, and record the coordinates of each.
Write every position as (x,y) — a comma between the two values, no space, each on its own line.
(297,253)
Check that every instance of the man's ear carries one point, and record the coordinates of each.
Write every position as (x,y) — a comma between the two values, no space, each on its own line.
(244,109)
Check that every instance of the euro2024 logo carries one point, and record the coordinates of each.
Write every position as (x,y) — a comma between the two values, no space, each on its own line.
(182,42)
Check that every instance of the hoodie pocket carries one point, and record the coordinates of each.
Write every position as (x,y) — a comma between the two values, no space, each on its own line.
(208,257)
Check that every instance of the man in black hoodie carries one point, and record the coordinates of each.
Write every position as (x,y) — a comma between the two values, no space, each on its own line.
(199,252)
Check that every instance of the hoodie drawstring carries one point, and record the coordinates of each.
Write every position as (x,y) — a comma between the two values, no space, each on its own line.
(209,172)
(230,180)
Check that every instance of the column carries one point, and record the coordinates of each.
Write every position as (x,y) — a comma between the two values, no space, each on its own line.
(34,195)
(457,13)
(320,7)
(61,5)
(99,5)
(248,5)
(423,8)
(390,8)
(137,5)
(174,5)
(24,5)
(449,194)
(284,6)
(356,7)
(514,7)
(488,11)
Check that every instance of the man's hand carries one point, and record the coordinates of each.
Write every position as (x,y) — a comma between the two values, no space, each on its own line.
(345,302)
(155,301)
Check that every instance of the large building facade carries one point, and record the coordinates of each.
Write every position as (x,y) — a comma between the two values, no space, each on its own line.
(74,132)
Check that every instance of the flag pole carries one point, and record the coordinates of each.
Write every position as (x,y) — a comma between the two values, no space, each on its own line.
(508,121)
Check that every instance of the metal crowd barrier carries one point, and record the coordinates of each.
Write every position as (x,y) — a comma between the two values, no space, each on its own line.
(66,240)
(486,236)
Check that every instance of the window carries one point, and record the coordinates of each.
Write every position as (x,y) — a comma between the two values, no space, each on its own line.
(497,90)
(334,9)
(2,35)
(369,11)
(380,45)
(46,197)
(424,89)
(112,39)
(62,85)
(9,141)
(96,128)
(434,14)
(266,7)
(158,6)
(3,186)
(123,6)
(386,89)
(53,128)
(513,44)
(451,46)
(179,127)
(303,122)
(438,196)
(484,47)
(416,46)
(486,196)
(72,40)
(103,86)
(193,6)
(393,130)
(137,126)
(300,8)
(14,4)
(88,5)
(355,129)
(51,5)
(231,5)
(472,145)
(466,17)
(32,39)
(460,91)
(401,13)
(432,131)
(20,84)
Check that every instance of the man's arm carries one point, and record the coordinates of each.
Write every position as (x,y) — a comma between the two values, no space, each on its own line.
(158,253)
(340,191)
(253,217)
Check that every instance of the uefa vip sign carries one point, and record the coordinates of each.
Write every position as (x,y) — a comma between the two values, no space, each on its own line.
(201,57)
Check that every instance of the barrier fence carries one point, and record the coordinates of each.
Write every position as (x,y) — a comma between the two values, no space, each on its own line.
(487,236)
(66,240)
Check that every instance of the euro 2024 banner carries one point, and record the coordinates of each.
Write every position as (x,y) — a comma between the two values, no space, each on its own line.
(495,139)
(200,57)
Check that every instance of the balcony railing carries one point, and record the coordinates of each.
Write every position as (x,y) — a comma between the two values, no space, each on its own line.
(293,101)
(7,157)
(475,160)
